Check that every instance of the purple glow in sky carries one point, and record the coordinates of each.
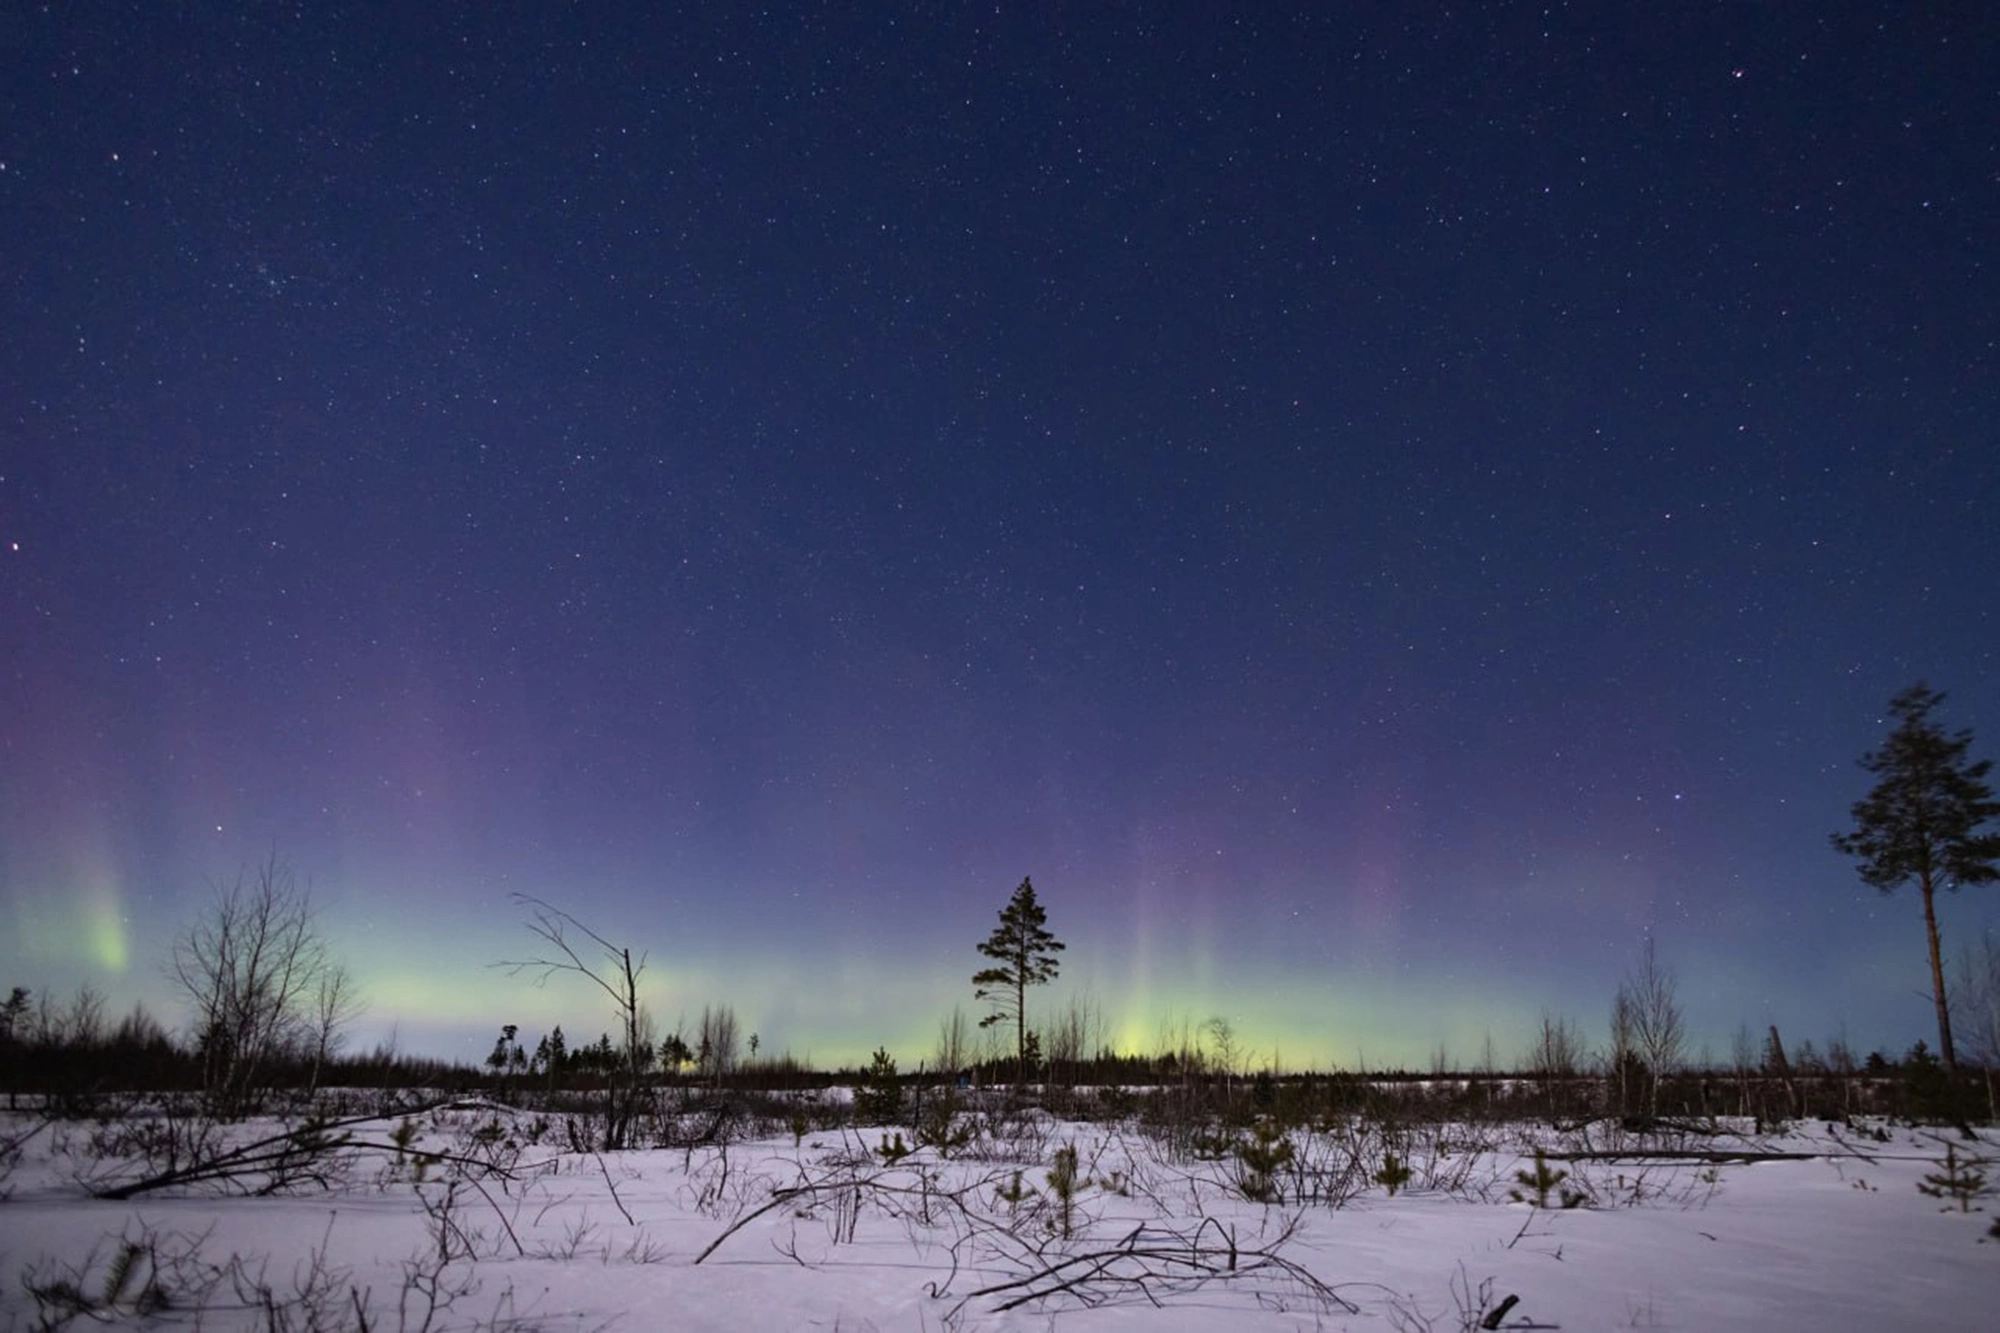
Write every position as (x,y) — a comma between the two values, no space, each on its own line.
(1375,512)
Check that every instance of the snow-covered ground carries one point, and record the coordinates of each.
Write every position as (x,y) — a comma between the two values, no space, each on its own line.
(824,1233)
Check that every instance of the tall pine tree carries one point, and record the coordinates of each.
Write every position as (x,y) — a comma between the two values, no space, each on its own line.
(1922,822)
(1025,955)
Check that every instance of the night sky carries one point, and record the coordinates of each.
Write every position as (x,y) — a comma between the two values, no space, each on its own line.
(1375,511)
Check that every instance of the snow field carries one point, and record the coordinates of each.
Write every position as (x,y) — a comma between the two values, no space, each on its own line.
(826,1233)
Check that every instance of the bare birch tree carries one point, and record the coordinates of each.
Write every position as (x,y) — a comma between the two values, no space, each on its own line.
(1654,1029)
(1623,1055)
(717,1042)
(955,1038)
(336,1003)
(1554,1058)
(1977,999)
(616,973)
(255,970)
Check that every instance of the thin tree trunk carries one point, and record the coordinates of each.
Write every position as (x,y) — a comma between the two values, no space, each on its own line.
(1021,1025)
(1937,979)
(1794,1108)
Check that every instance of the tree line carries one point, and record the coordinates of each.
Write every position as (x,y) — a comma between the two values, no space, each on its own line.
(269,1005)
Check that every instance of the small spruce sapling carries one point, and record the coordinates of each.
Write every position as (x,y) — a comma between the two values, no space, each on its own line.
(1544,1179)
(122,1291)
(404,1138)
(1259,1159)
(942,1128)
(1015,1193)
(1065,1183)
(1395,1173)
(879,1100)
(1959,1179)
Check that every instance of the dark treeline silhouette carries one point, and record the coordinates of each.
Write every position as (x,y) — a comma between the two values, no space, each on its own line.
(69,1059)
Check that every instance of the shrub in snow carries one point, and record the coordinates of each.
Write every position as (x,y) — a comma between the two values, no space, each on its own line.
(1395,1173)
(1959,1179)
(879,1099)
(1064,1183)
(1543,1180)
(1259,1159)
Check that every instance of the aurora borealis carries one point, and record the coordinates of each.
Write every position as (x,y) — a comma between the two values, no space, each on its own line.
(1375,511)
